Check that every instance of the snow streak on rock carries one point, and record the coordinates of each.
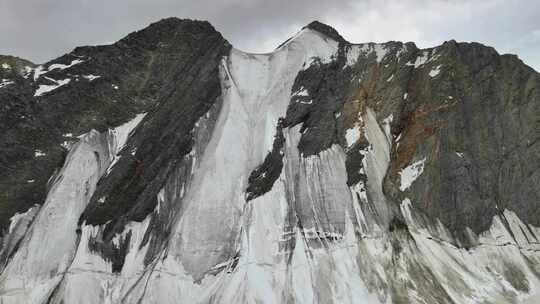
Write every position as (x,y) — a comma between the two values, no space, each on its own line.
(410,174)
(45,88)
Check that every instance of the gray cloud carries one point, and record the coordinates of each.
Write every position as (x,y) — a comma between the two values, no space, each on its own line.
(43,29)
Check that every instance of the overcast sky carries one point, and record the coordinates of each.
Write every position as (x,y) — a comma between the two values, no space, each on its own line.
(40,30)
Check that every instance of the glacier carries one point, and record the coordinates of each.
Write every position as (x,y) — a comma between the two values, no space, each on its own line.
(312,238)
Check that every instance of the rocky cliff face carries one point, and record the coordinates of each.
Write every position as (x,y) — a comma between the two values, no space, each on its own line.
(170,167)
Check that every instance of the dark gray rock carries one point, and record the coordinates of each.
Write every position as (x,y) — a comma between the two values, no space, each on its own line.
(263,177)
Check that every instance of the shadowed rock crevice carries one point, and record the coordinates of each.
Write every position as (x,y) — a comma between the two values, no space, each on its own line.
(263,177)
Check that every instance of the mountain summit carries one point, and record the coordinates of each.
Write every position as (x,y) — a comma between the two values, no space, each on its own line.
(170,167)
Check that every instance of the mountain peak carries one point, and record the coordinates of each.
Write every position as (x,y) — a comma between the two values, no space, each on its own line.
(326,30)
(170,29)
(175,22)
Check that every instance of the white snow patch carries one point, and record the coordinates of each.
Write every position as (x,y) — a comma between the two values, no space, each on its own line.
(61,66)
(420,60)
(390,78)
(364,49)
(411,173)
(435,71)
(459,154)
(120,135)
(66,145)
(389,119)
(30,181)
(5,82)
(47,88)
(39,153)
(387,126)
(318,47)
(114,86)
(423,59)
(405,95)
(17,217)
(355,51)
(406,210)
(6,66)
(38,72)
(91,77)
(301,92)
(26,71)
(352,55)
(401,51)
(160,199)
(352,135)
(380,52)
(68,135)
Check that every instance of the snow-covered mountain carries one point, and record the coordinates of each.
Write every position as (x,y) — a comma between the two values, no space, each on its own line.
(170,167)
